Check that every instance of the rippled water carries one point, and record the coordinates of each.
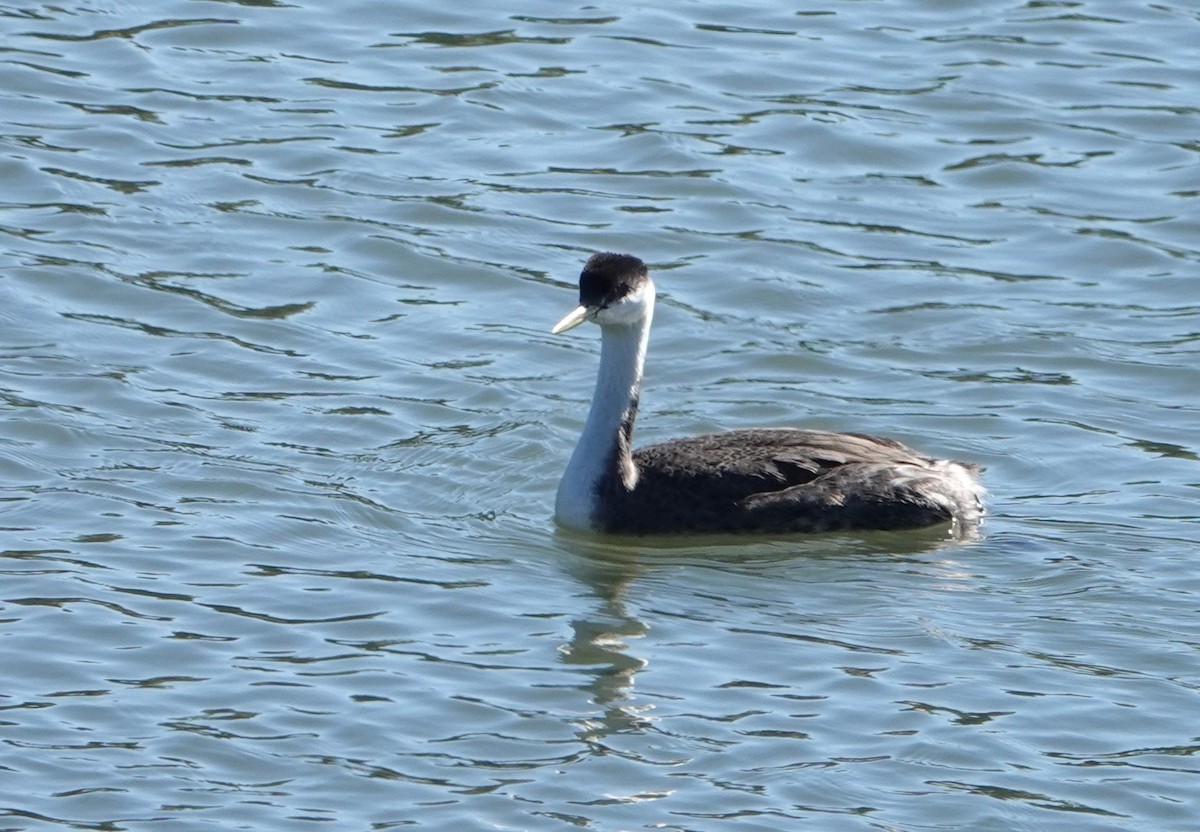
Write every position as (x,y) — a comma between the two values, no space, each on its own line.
(282,421)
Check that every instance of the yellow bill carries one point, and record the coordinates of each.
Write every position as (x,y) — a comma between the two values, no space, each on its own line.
(573,319)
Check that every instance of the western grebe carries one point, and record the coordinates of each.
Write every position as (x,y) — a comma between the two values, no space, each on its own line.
(771,480)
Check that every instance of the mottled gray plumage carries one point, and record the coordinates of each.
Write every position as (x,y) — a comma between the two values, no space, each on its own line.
(782,480)
(768,480)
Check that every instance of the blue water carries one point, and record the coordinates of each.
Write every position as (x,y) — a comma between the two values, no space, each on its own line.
(282,420)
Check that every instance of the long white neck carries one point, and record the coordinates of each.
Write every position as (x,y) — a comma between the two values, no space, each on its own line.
(604,448)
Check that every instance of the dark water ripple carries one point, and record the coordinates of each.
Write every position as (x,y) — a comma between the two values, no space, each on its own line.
(280,421)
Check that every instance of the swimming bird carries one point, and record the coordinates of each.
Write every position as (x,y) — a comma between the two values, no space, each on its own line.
(762,480)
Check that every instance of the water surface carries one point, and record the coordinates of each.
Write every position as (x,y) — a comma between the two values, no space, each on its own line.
(282,419)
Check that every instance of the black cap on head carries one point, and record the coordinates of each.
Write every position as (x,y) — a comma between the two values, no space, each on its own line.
(607,277)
